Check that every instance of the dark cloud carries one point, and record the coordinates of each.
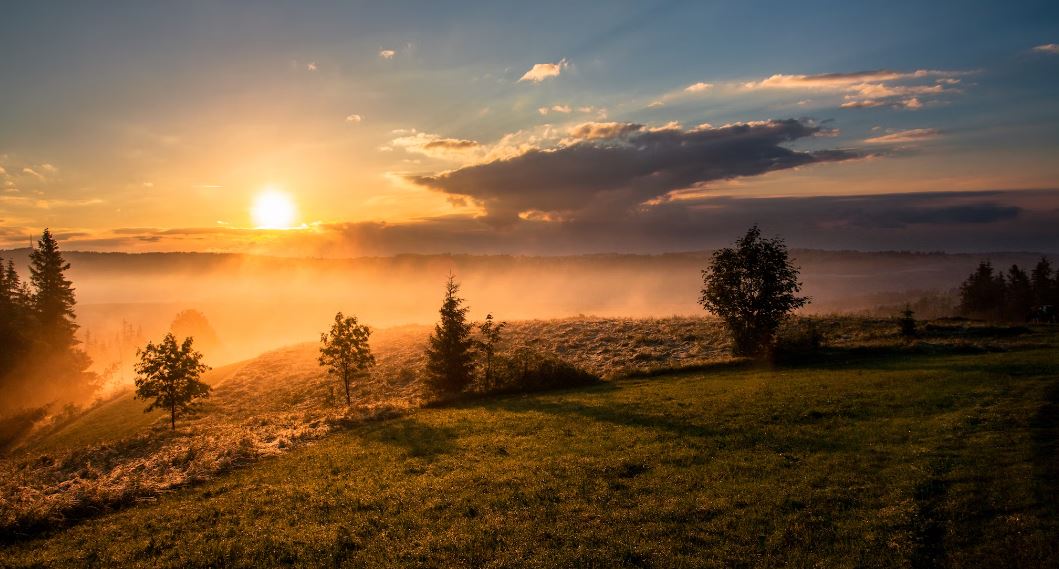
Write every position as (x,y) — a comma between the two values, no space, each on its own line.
(613,167)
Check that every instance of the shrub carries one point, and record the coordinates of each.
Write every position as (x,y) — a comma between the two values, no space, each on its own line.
(798,339)
(528,370)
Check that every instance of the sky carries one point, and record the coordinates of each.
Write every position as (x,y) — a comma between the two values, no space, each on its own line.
(349,128)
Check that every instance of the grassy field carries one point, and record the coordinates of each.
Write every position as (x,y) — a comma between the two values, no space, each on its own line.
(936,454)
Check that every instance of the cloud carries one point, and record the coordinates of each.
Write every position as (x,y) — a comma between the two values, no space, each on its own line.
(596,130)
(556,109)
(868,89)
(311,66)
(611,167)
(541,71)
(31,172)
(387,53)
(435,146)
(698,87)
(905,136)
(353,119)
(1049,48)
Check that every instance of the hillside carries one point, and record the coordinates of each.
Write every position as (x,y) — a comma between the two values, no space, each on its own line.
(878,455)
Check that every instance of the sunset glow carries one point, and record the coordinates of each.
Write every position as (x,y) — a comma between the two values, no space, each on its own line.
(273,209)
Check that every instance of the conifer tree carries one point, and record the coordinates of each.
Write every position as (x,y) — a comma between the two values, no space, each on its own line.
(490,338)
(450,354)
(1045,290)
(1018,295)
(53,297)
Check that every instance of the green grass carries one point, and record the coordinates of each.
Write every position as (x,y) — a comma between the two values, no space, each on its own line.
(861,461)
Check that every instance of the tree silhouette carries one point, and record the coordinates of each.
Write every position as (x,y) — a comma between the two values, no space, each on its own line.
(982,294)
(450,354)
(1045,290)
(752,287)
(490,338)
(345,351)
(1018,296)
(170,373)
(54,293)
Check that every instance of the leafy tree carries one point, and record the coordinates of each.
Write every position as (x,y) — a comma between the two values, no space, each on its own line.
(490,339)
(982,294)
(752,287)
(1018,295)
(194,323)
(170,373)
(450,354)
(54,293)
(345,351)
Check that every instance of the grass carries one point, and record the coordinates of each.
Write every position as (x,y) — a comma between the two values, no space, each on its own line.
(914,458)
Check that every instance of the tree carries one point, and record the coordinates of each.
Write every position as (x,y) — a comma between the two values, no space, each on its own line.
(345,351)
(907,322)
(490,339)
(752,287)
(16,319)
(982,294)
(1045,290)
(450,354)
(170,373)
(194,323)
(1018,295)
(54,293)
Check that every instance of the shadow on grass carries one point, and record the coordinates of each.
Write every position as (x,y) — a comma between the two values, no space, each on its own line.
(416,438)
(1045,432)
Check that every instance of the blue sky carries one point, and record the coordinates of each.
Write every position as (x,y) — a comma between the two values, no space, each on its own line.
(387,126)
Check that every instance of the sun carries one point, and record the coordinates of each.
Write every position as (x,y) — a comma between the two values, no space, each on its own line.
(273,209)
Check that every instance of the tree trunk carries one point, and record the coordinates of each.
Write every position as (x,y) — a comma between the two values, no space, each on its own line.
(172,417)
(349,400)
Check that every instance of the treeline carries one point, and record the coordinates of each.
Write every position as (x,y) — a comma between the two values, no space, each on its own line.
(40,358)
(1014,296)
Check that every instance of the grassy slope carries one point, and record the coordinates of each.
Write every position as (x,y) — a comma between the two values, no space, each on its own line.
(896,461)
(121,417)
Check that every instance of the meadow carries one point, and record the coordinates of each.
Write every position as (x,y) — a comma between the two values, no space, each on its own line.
(873,451)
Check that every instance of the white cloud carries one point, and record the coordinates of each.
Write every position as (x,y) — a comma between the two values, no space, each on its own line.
(311,66)
(353,119)
(555,109)
(867,89)
(1050,48)
(541,71)
(387,53)
(698,87)
(905,136)
(31,172)
(655,104)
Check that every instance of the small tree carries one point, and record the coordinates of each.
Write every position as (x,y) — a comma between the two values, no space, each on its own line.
(345,351)
(907,322)
(490,338)
(170,374)
(450,354)
(752,287)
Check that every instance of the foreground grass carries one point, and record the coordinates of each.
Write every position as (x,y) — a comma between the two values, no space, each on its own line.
(899,460)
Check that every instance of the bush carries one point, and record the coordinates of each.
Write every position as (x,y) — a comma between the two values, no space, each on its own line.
(527,370)
(798,339)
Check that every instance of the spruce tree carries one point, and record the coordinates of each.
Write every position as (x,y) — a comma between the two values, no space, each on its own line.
(1044,289)
(1018,295)
(450,354)
(54,294)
